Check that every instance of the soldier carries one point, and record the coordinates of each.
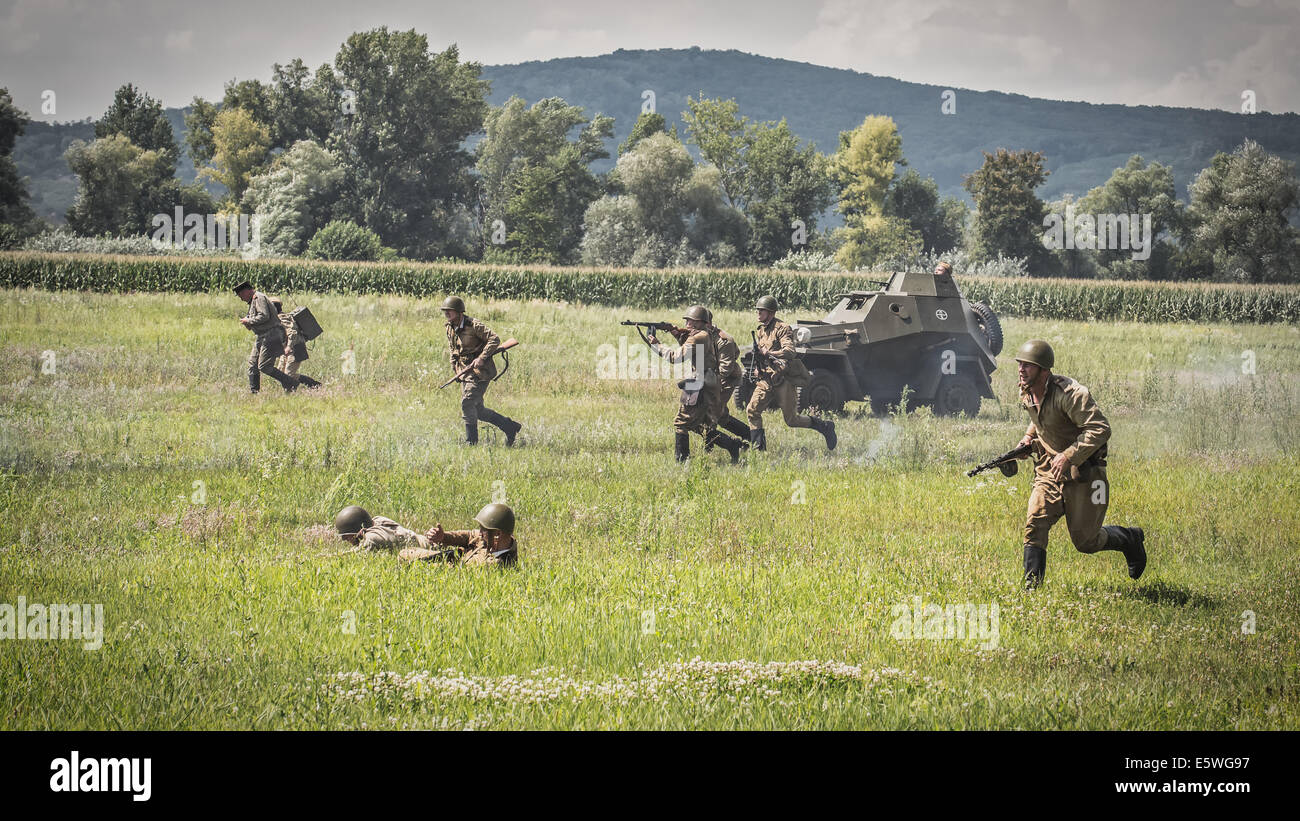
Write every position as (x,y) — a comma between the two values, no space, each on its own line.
(264,321)
(777,361)
(1068,434)
(472,344)
(701,394)
(295,348)
(729,375)
(357,527)
(493,543)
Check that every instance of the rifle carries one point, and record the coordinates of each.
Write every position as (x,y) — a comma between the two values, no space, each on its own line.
(668,327)
(505,346)
(1006,462)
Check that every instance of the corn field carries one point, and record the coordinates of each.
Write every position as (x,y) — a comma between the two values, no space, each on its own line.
(1056,299)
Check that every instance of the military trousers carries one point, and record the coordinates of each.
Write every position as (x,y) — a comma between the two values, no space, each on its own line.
(697,412)
(782,395)
(472,409)
(1082,502)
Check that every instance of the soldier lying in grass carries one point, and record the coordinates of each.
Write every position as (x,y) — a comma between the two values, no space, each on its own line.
(492,543)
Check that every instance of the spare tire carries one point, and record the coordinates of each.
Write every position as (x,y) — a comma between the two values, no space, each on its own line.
(989,325)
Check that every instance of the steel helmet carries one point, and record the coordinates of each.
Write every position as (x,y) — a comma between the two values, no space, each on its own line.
(453,303)
(497,516)
(767,303)
(697,312)
(352,520)
(1037,352)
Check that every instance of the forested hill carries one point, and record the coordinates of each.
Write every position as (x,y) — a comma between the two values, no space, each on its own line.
(1083,142)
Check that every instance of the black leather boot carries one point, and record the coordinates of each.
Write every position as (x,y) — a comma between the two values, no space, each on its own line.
(471,433)
(758,439)
(827,429)
(1035,566)
(287,382)
(308,381)
(722,440)
(1130,541)
(736,428)
(682,446)
(254,380)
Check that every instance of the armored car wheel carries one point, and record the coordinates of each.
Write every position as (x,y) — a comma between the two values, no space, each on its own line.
(824,392)
(956,394)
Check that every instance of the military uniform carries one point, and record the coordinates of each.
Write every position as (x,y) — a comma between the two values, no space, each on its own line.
(471,340)
(386,534)
(297,347)
(729,376)
(775,386)
(264,321)
(701,397)
(700,389)
(467,547)
(1066,423)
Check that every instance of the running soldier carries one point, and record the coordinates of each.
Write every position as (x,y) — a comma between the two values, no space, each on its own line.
(777,364)
(729,375)
(1068,435)
(472,344)
(701,392)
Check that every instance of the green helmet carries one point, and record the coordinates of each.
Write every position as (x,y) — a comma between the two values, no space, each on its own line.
(1036,352)
(453,303)
(767,303)
(497,516)
(352,520)
(697,312)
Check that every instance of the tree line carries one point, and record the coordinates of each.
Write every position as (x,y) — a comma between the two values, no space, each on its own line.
(392,152)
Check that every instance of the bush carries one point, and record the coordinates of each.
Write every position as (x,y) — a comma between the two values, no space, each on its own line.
(345,241)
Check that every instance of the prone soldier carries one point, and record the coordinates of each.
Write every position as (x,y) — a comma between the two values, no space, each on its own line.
(357,527)
(472,345)
(295,348)
(701,392)
(1068,436)
(778,367)
(264,321)
(493,543)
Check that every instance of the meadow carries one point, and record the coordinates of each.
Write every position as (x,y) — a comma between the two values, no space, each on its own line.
(138,473)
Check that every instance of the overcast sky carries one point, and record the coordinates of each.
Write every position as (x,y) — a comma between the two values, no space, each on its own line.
(1197,53)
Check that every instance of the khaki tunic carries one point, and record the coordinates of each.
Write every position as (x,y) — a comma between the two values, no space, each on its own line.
(1069,422)
(700,397)
(290,362)
(467,547)
(773,388)
(386,534)
(467,341)
(265,323)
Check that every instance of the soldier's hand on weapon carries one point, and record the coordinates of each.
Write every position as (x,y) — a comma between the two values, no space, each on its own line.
(478,364)
(652,339)
(435,534)
(1060,467)
(1024,443)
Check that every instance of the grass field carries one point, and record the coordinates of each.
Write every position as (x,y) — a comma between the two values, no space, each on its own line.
(140,475)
